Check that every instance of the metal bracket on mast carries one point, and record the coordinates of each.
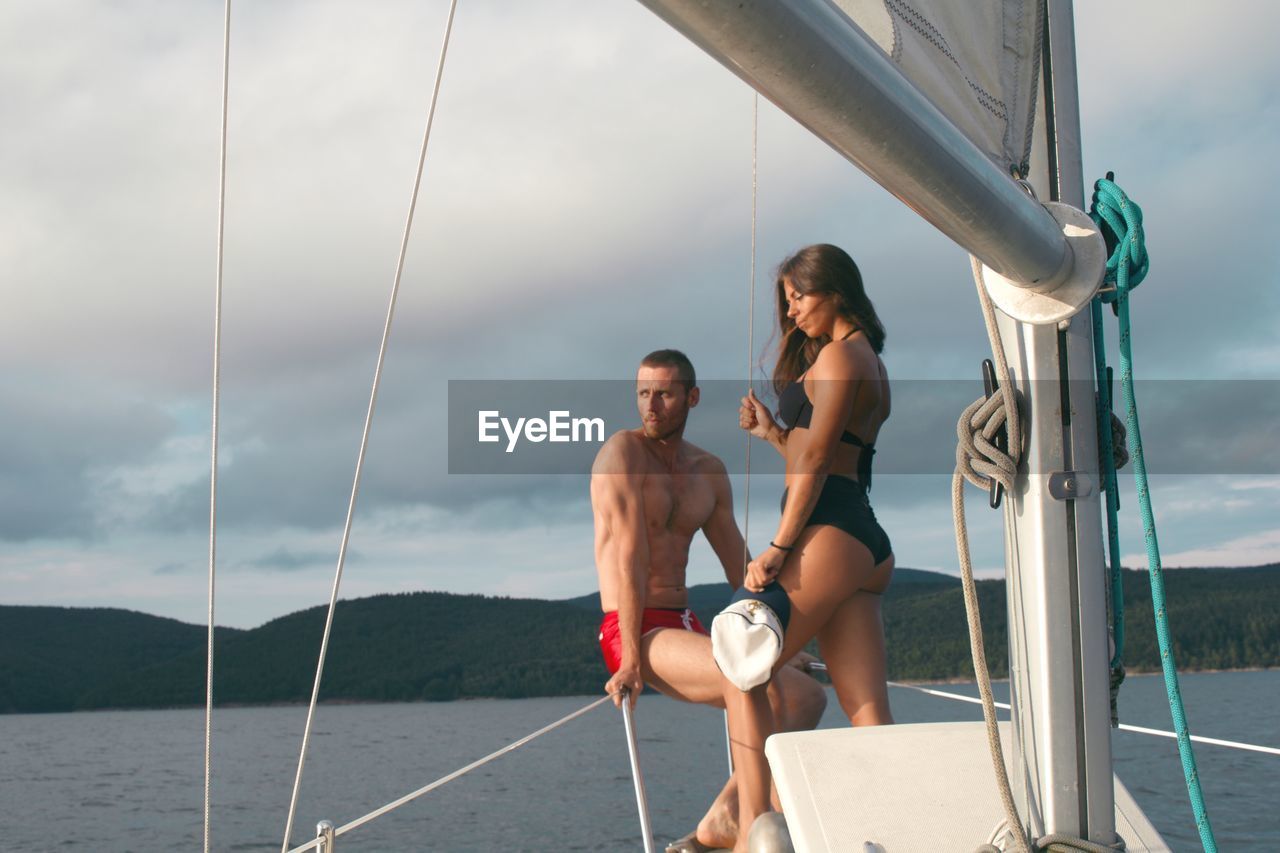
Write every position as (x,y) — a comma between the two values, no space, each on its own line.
(1070,485)
(1064,299)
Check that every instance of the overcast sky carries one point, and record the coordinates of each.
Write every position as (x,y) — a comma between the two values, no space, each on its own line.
(587,198)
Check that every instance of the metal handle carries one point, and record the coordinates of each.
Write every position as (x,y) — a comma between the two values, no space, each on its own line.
(636,776)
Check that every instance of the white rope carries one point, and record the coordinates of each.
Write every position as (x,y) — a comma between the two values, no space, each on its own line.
(462,771)
(1142,730)
(993,415)
(1212,741)
(364,438)
(984,417)
(213,463)
(959,697)
(751,340)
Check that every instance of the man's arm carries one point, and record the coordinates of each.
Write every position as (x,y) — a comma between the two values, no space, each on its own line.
(622,546)
(721,528)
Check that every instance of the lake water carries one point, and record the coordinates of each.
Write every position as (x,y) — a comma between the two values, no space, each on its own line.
(133,781)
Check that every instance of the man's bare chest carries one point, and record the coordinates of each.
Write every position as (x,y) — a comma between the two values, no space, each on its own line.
(677,503)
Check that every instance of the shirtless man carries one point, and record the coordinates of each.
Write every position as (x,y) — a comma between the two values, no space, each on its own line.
(651,491)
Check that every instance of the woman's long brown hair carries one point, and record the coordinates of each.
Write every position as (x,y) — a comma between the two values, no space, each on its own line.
(825,269)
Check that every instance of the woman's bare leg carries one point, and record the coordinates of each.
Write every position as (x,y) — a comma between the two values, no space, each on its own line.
(679,664)
(852,644)
(825,570)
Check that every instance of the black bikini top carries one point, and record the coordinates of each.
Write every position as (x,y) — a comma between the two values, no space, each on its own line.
(796,410)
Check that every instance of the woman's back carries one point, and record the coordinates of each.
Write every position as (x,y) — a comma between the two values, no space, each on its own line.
(846,400)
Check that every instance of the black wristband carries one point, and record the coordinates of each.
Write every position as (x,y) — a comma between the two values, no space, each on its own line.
(773,544)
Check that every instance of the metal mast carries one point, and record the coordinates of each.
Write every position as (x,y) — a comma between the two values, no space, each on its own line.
(815,64)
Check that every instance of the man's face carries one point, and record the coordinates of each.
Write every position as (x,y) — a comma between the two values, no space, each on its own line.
(663,402)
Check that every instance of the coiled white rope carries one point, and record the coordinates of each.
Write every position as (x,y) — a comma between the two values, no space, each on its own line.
(975,431)
(213,463)
(462,771)
(364,437)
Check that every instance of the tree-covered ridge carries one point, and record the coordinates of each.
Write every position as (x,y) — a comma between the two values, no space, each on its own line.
(54,658)
(439,646)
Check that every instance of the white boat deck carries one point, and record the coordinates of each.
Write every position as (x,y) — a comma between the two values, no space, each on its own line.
(925,787)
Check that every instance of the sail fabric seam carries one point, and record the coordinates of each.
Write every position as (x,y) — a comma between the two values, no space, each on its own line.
(1004,42)
(897,33)
(929,33)
(1037,57)
(971,61)
(368,422)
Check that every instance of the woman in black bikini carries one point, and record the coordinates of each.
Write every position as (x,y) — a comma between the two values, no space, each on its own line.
(829,554)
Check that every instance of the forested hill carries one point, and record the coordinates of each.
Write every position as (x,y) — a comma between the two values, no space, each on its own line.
(439,646)
(56,658)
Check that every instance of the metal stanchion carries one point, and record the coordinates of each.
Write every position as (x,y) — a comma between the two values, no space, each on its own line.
(641,802)
(328,838)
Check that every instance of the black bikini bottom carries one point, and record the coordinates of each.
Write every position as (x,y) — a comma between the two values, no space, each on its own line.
(843,503)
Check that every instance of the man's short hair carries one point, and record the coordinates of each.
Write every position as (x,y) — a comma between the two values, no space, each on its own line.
(673,358)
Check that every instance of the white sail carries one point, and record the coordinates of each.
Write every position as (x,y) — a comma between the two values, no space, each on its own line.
(977,61)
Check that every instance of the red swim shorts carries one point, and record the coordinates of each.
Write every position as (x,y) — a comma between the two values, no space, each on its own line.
(652,619)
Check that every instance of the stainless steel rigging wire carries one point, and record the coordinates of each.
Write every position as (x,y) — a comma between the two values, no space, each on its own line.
(449,777)
(213,464)
(364,438)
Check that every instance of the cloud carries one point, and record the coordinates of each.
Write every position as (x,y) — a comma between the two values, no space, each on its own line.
(1204,520)
(1221,45)
(283,559)
(587,198)
(63,440)
(1254,484)
(1253,550)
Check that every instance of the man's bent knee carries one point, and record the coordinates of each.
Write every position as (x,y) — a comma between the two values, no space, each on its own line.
(679,664)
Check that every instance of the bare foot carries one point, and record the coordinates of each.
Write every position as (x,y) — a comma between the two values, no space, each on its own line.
(719,828)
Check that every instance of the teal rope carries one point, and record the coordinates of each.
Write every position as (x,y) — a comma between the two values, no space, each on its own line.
(1112,492)
(1117,225)
(1124,219)
(1127,267)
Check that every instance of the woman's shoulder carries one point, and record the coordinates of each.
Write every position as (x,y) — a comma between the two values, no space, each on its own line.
(850,359)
